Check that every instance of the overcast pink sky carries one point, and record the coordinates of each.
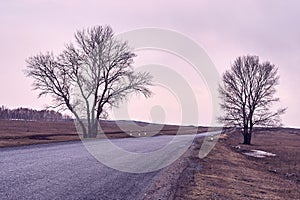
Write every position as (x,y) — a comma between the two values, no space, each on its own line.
(225,29)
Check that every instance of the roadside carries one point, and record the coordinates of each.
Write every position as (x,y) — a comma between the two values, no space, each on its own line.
(226,173)
(165,183)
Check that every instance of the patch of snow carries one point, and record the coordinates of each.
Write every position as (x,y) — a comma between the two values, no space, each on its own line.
(259,153)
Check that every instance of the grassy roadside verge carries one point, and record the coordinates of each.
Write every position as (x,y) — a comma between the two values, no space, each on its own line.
(226,173)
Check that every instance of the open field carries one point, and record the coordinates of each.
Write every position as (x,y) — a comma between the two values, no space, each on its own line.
(226,173)
(18,133)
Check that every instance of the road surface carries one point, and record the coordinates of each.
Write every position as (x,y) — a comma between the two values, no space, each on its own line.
(68,171)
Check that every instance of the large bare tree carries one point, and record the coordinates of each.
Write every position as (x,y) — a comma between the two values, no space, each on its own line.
(89,77)
(247,95)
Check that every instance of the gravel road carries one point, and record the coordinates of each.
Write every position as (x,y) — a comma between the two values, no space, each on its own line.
(68,171)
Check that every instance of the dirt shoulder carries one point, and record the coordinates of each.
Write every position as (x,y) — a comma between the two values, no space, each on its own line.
(164,186)
(226,173)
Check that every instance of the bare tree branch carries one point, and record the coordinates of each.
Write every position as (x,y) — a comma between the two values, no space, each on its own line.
(89,76)
(248,95)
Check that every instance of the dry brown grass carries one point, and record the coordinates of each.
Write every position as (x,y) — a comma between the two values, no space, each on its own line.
(17,133)
(226,173)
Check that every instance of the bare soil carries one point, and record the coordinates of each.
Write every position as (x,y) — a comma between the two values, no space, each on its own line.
(226,173)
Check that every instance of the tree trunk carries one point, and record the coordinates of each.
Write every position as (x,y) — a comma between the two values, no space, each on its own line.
(93,131)
(247,138)
(83,128)
(85,135)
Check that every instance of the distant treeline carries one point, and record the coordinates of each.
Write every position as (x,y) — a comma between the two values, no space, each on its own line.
(31,114)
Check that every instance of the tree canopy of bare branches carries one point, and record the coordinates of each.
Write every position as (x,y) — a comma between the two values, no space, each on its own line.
(90,76)
(247,95)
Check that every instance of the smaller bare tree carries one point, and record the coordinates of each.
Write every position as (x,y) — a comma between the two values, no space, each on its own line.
(248,95)
(89,77)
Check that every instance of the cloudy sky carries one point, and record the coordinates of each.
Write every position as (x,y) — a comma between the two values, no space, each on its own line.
(225,29)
